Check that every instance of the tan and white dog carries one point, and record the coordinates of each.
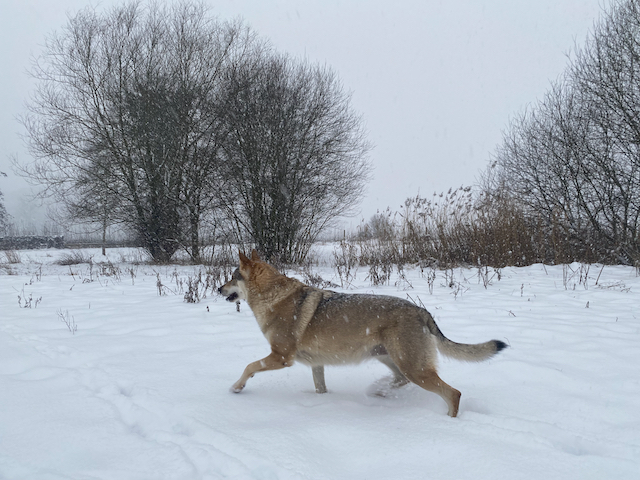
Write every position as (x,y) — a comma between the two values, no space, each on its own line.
(320,327)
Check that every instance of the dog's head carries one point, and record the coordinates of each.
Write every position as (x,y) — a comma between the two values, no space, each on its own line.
(236,288)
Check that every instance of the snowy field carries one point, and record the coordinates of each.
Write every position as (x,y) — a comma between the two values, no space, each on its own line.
(102,378)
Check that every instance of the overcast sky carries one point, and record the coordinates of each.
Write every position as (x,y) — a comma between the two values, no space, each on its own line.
(435,80)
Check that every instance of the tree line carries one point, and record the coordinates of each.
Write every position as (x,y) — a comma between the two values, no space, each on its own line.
(171,123)
(571,163)
(563,185)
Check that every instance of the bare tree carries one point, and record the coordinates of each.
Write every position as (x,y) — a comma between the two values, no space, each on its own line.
(93,202)
(538,160)
(4,216)
(574,158)
(124,110)
(294,153)
(606,74)
(157,117)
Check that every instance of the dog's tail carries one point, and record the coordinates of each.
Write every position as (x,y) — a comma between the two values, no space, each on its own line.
(463,351)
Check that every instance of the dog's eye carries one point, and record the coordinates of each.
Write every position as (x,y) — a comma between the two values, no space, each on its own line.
(237,275)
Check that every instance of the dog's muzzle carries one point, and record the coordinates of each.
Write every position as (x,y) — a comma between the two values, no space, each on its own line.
(231,298)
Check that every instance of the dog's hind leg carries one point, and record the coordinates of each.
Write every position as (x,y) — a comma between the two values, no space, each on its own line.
(385,386)
(318,378)
(273,361)
(415,357)
(399,380)
(430,381)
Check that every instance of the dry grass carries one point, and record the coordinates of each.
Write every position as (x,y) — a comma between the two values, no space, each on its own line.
(459,228)
(12,257)
(74,257)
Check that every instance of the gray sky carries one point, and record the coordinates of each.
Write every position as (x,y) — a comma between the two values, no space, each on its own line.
(435,80)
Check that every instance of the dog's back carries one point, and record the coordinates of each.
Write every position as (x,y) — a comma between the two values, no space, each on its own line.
(347,327)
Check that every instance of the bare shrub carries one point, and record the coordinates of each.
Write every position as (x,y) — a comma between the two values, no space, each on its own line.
(486,277)
(221,261)
(346,261)
(108,269)
(68,320)
(453,229)
(314,279)
(437,228)
(576,275)
(462,229)
(13,257)
(75,257)
(25,301)
(382,256)
(429,272)
(197,287)
(162,288)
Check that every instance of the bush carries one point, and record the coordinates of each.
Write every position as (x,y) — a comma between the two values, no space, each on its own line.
(459,228)
(75,257)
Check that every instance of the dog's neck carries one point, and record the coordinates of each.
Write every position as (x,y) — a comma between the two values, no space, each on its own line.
(270,288)
(266,290)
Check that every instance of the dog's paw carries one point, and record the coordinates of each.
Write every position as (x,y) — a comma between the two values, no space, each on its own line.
(379,391)
(236,388)
(386,387)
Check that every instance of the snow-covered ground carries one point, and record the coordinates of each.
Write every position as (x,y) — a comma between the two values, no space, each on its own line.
(102,378)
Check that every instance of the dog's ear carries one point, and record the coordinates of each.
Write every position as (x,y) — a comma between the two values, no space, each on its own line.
(244,261)
(254,256)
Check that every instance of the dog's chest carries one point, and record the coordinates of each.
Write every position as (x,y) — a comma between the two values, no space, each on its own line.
(262,319)
(269,319)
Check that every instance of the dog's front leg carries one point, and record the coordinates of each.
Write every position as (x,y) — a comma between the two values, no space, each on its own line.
(274,361)
(318,378)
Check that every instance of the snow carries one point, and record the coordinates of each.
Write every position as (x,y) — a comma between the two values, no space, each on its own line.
(102,378)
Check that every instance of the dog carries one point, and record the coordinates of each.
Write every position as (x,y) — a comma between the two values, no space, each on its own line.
(320,327)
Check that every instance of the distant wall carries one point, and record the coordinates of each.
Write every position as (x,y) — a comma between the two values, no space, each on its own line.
(31,242)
